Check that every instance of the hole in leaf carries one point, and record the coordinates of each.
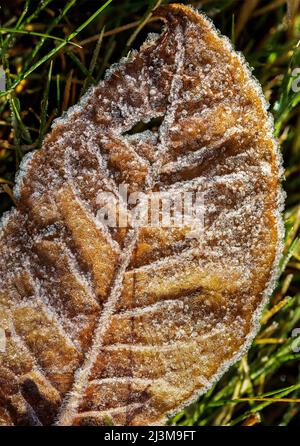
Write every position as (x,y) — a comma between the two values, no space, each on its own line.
(152,125)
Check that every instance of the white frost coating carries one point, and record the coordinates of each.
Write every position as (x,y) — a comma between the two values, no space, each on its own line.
(5,219)
(82,374)
(152,37)
(98,224)
(74,109)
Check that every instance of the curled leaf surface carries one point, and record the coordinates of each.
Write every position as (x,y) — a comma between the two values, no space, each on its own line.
(132,323)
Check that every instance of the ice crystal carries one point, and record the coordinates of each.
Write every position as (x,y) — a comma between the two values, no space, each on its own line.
(134,323)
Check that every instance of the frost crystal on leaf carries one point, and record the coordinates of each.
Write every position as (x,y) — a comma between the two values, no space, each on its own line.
(134,323)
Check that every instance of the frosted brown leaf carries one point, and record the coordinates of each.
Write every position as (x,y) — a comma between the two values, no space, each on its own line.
(131,324)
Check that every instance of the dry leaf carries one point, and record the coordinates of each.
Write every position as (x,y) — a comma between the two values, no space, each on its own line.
(130,324)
